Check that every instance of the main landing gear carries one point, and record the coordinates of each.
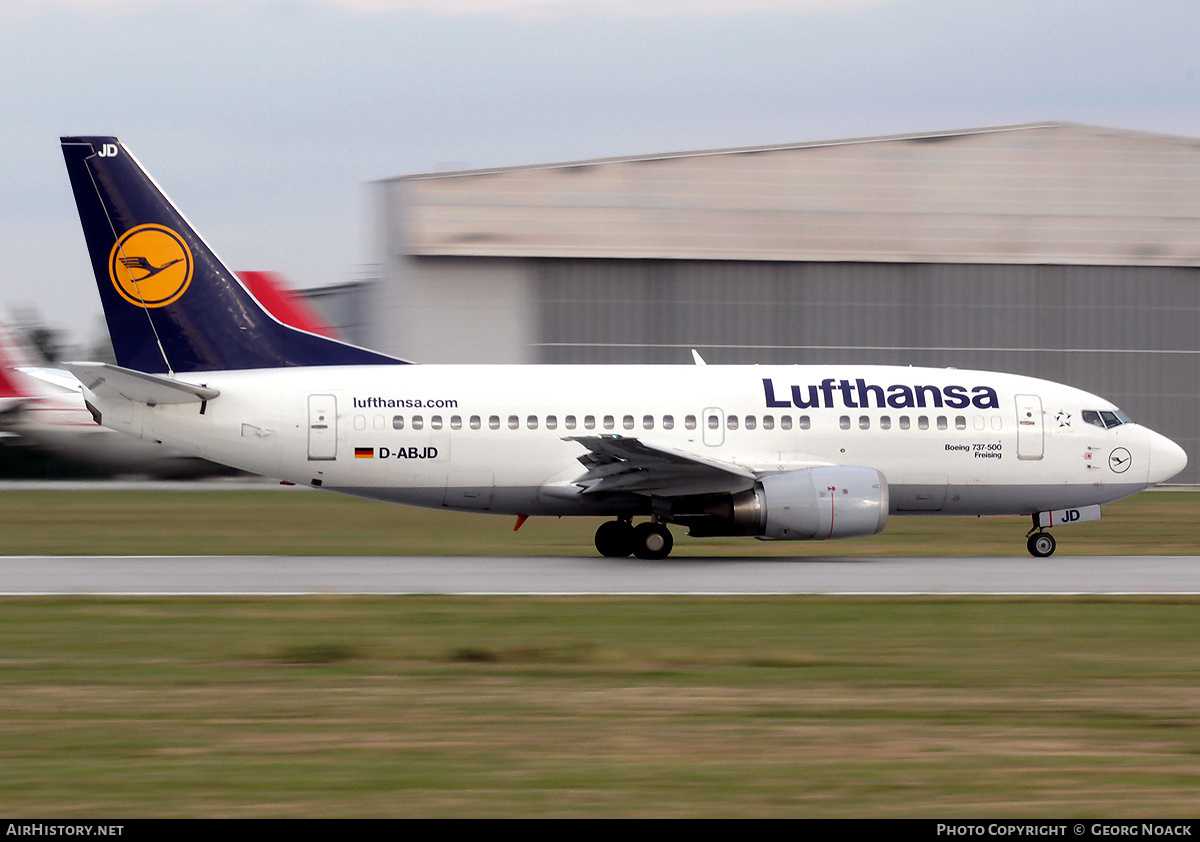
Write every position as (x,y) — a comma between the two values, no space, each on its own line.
(620,538)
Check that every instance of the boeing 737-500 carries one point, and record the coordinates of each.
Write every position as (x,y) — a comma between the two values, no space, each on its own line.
(773,452)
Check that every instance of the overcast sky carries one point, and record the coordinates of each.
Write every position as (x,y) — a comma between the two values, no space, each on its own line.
(265,120)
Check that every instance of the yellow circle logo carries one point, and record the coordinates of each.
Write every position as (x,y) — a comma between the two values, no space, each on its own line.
(150,265)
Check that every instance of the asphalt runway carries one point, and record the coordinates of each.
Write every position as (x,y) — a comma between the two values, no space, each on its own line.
(263,575)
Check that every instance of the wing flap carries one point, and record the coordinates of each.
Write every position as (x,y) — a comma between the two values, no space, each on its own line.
(619,463)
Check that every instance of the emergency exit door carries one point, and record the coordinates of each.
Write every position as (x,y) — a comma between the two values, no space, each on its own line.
(713,422)
(322,427)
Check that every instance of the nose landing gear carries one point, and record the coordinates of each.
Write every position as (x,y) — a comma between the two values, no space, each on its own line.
(1041,544)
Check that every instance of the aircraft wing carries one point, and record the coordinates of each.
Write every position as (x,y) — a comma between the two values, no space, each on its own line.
(619,463)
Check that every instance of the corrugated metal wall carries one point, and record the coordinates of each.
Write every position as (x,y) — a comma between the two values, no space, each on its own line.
(1131,334)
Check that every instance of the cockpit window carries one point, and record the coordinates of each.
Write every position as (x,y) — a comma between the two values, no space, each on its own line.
(1105,418)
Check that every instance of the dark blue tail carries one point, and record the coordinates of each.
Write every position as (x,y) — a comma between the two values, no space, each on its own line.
(170,303)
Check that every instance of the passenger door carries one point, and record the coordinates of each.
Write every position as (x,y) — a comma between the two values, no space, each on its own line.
(1030,427)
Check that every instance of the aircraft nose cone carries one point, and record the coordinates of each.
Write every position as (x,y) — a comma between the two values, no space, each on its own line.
(1166,458)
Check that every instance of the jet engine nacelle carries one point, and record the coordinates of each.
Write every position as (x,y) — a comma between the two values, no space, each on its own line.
(819,503)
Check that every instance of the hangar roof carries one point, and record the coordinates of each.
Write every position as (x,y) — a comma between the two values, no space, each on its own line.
(1039,193)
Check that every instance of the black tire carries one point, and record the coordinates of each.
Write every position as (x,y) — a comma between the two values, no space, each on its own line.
(614,539)
(1042,545)
(652,541)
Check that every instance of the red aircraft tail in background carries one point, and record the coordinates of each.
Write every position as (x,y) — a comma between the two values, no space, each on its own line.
(285,305)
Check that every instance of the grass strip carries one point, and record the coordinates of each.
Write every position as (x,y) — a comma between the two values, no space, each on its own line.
(305,522)
(424,706)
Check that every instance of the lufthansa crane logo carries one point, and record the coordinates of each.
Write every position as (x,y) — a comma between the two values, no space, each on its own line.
(150,266)
(1119,460)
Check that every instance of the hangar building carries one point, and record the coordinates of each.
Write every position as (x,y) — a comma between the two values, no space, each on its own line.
(1062,251)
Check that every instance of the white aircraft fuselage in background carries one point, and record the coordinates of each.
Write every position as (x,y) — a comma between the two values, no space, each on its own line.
(777,452)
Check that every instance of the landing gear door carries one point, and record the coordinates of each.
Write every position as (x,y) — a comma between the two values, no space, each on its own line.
(1030,428)
(322,427)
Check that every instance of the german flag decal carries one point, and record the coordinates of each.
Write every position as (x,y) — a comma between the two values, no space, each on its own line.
(364,453)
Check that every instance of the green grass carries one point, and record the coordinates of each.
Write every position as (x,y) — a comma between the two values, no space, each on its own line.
(304,522)
(569,707)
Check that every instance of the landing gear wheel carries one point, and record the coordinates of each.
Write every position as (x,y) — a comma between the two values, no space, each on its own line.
(1042,544)
(614,539)
(652,541)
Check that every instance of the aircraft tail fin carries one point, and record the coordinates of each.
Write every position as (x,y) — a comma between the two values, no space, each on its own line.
(10,391)
(15,388)
(170,303)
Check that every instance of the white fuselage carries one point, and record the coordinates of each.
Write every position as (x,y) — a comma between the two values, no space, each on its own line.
(495,438)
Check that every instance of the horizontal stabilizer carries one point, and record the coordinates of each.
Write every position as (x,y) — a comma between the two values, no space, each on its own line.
(112,381)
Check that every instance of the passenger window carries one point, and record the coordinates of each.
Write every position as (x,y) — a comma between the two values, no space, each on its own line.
(997,422)
(731,422)
(513,422)
(455,422)
(844,422)
(418,423)
(378,422)
(980,422)
(569,422)
(751,422)
(885,422)
(476,422)
(689,422)
(768,422)
(960,422)
(397,422)
(531,422)
(435,423)
(647,422)
(805,422)
(904,422)
(713,422)
(923,422)
(609,422)
(668,422)
(627,422)
(360,422)
(942,423)
(589,422)
(785,422)
(494,422)
(864,423)
(551,422)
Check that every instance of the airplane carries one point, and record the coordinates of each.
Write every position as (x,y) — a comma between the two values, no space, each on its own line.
(44,406)
(777,452)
